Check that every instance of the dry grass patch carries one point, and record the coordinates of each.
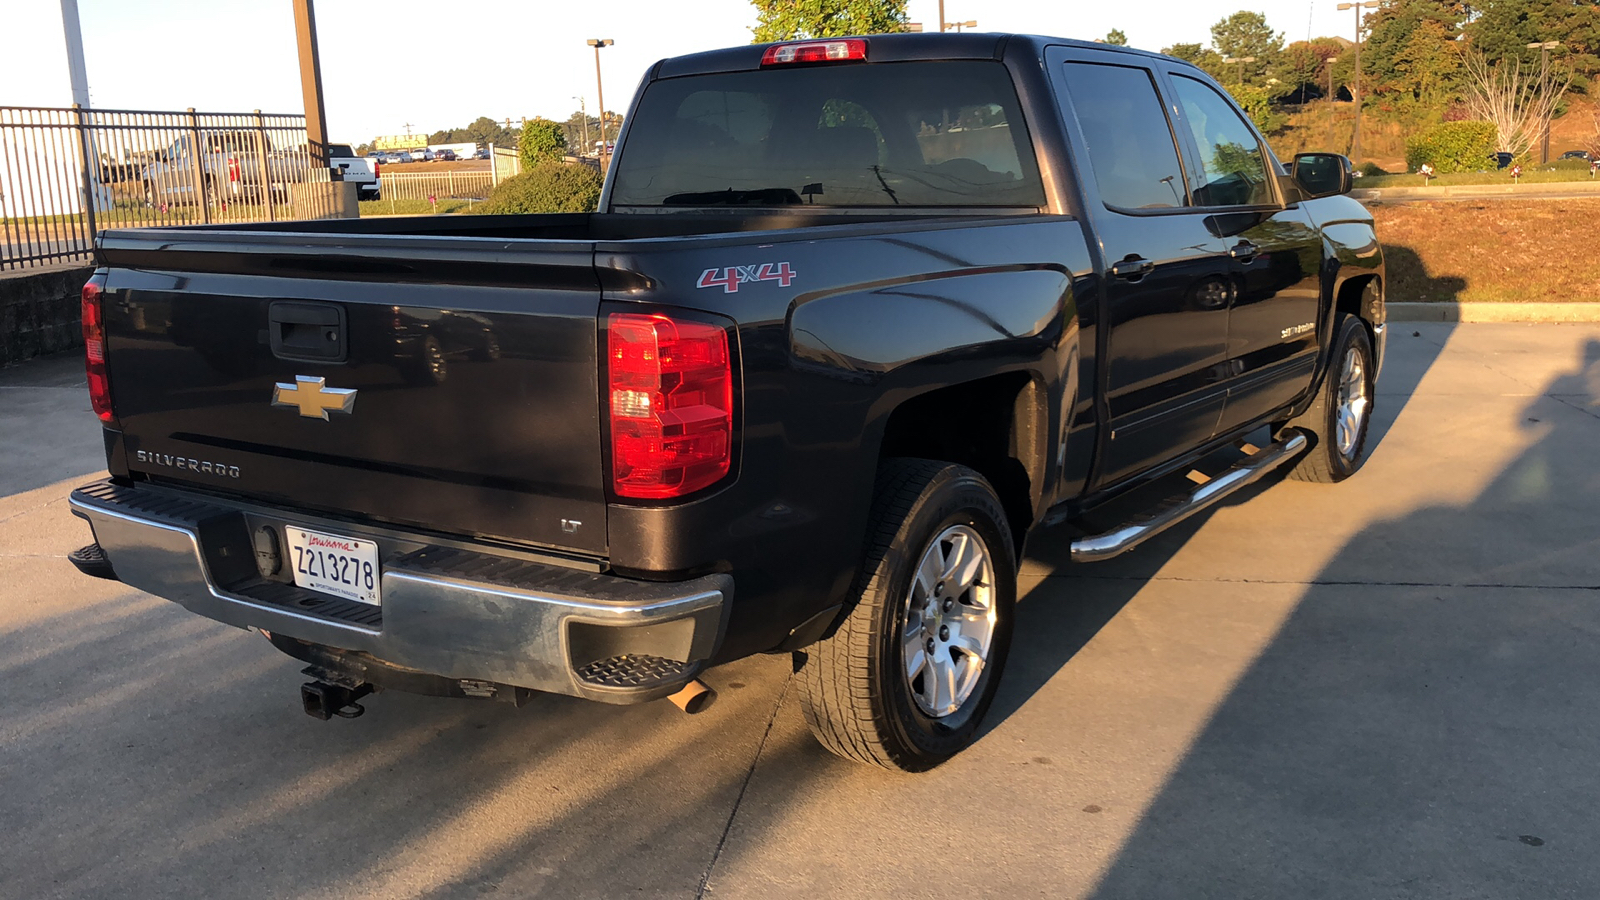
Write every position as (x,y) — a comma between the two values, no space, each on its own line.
(1516,251)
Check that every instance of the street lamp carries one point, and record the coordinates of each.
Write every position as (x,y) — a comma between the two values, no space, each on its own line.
(973,23)
(1355,93)
(1544,48)
(1331,60)
(605,154)
(1239,61)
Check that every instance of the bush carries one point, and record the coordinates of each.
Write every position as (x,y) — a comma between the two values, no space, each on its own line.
(1369,169)
(1452,147)
(546,188)
(541,141)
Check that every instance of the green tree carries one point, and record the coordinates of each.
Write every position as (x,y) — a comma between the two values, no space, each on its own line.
(485,131)
(1246,34)
(1256,101)
(1116,38)
(784,20)
(542,141)
(582,131)
(1502,29)
(1409,56)
(1207,59)
(1304,67)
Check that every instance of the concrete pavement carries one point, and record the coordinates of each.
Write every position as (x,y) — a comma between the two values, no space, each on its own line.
(1377,689)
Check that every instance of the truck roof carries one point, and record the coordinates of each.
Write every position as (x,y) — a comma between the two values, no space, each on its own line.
(885,48)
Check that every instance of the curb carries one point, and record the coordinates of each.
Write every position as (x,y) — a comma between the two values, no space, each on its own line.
(1534,191)
(1542,313)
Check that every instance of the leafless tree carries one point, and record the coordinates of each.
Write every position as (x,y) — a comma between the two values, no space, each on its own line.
(1518,99)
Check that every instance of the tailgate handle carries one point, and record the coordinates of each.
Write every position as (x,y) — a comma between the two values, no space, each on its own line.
(303,330)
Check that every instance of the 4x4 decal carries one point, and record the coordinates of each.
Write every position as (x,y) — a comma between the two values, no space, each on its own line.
(730,277)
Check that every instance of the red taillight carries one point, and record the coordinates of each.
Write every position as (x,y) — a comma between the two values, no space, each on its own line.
(671,400)
(815,52)
(94,350)
(377,168)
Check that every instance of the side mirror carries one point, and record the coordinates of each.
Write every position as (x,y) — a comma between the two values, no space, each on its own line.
(1322,174)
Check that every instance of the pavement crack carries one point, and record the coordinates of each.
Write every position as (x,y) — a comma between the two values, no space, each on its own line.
(1562,399)
(727,829)
(31,509)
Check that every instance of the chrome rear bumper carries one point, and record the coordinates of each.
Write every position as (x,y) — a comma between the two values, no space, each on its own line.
(452,611)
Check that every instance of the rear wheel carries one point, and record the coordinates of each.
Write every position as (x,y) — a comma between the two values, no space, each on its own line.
(906,679)
(1340,417)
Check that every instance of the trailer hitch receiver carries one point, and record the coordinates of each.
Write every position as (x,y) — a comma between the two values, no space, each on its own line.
(324,701)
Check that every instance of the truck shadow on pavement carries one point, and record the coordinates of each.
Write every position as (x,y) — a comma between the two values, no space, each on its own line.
(1073,603)
(1422,722)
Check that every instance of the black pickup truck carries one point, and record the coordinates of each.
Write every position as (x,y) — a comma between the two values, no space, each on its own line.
(855,318)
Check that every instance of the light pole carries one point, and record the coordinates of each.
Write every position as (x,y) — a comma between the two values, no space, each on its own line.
(1331,61)
(605,154)
(1544,48)
(1355,94)
(941,17)
(583,117)
(1239,61)
(971,23)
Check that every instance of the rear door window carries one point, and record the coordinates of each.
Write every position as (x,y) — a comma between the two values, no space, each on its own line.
(1131,146)
(894,134)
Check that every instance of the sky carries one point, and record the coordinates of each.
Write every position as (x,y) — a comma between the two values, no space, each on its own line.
(434,65)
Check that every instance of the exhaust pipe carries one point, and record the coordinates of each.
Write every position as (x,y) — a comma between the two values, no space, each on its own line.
(695,697)
(324,701)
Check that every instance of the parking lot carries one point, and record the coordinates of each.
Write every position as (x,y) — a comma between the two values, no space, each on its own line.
(1384,688)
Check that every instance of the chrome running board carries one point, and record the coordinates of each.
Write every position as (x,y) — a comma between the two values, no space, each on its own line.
(1175,509)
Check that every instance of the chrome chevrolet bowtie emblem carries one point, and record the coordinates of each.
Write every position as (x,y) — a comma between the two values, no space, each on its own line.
(312,398)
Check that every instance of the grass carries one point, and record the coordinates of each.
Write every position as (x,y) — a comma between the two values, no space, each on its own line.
(1497,251)
(388,207)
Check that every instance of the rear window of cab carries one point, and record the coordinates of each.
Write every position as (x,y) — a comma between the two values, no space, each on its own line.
(947,133)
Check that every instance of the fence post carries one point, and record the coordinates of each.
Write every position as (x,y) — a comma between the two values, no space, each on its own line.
(81,124)
(450,183)
(494,168)
(265,173)
(196,171)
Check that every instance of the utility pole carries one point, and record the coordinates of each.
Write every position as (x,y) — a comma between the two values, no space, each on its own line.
(1331,61)
(1544,48)
(305,33)
(583,118)
(605,150)
(95,197)
(941,17)
(973,23)
(1355,146)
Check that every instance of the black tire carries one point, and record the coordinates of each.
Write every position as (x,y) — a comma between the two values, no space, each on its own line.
(853,686)
(1325,462)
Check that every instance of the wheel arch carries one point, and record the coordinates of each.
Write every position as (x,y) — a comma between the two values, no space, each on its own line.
(1005,440)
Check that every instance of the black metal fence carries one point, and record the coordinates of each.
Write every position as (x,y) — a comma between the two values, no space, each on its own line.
(67,173)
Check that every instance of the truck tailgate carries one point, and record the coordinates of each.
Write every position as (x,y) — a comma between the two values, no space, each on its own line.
(475,404)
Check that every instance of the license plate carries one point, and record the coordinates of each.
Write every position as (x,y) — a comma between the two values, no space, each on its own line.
(344,567)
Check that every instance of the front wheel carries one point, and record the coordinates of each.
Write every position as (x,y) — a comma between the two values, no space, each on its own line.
(905,680)
(1340,417)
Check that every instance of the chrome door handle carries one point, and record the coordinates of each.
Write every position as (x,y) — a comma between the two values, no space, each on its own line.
(1244,251)
(1132,268)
